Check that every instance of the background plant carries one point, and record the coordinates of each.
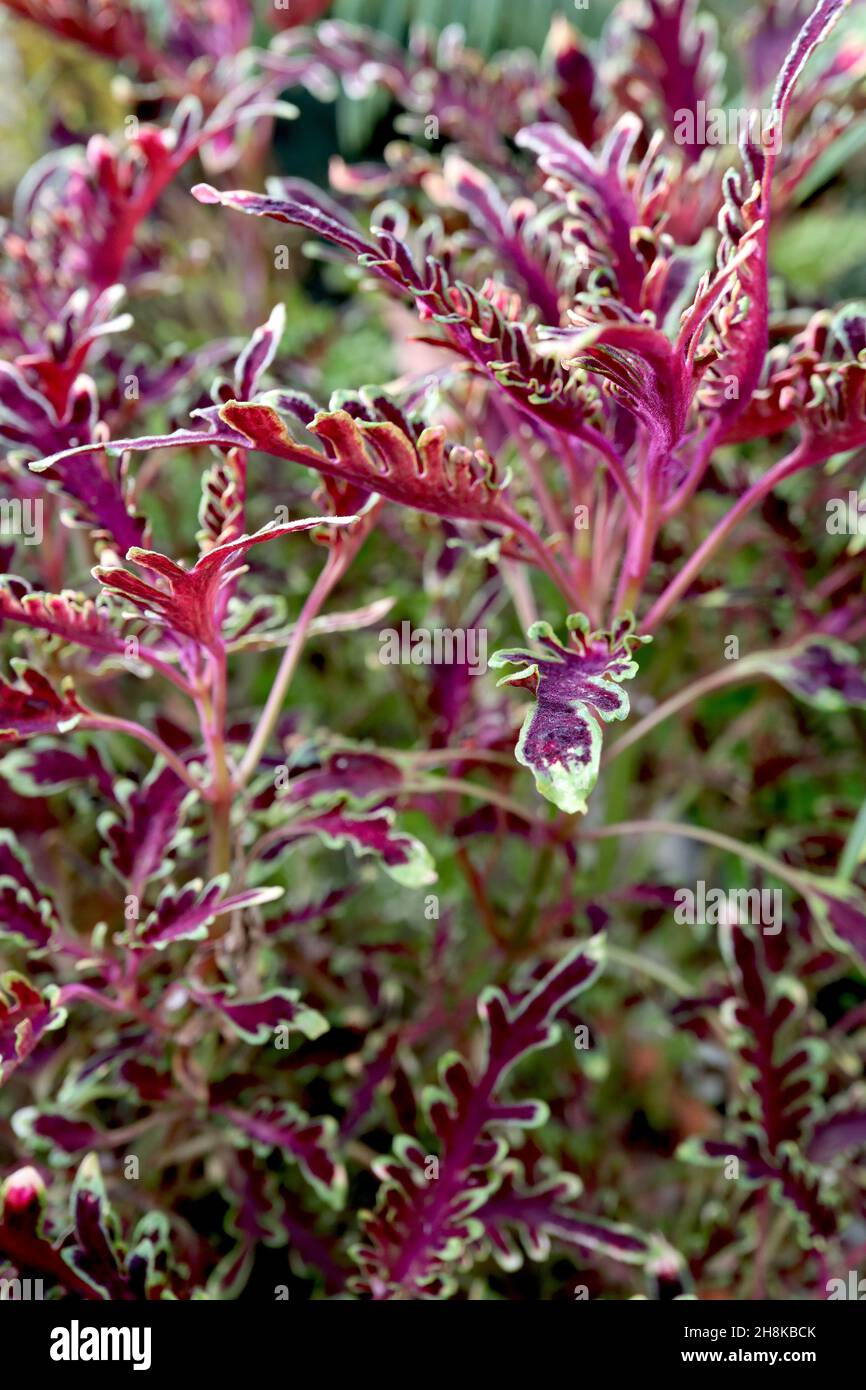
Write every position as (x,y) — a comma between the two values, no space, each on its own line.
(288,971)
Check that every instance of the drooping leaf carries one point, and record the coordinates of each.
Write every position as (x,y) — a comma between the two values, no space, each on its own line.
(576,687)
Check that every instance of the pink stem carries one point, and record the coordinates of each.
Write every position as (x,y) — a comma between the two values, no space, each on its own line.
(801,457)
(333,570)
(108,723)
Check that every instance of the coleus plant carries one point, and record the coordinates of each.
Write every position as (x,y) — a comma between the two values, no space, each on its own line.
(255,965)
